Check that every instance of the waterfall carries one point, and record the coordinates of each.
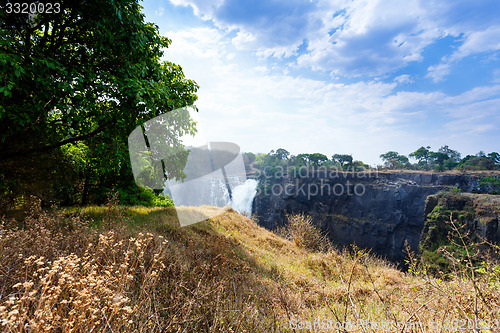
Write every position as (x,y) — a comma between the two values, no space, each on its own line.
(214,192)
(243,197)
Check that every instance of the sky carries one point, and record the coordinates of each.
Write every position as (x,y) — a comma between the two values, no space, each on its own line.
(340,77)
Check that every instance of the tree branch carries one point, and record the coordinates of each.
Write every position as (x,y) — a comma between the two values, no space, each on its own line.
(7,155)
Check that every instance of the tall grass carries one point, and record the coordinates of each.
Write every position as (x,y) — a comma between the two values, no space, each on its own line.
(137,270)
(301,230)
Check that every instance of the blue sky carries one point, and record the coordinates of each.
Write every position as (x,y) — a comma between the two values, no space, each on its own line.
(342,76)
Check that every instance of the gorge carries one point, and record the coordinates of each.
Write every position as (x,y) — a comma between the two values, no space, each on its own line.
(380,211)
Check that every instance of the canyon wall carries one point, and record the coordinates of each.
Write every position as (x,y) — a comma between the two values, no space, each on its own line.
(376,210)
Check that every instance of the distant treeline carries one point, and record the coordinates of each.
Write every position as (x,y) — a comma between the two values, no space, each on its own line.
(425,159)
(441,160)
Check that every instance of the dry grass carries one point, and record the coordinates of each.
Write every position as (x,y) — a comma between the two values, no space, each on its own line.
(301,230)
(139,271)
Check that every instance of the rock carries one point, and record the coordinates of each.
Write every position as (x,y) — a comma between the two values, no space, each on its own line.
(475,217)
(379,211)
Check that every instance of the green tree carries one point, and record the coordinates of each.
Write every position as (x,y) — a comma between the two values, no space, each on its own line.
(282,154)
(317,159)
(452,154)
(91,74)
(494,156)
(444,159)
(437,160)
(342,159)
(302,160)
(480,162)
(393,160)
(422,155)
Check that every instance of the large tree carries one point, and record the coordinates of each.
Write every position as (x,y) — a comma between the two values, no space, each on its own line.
(89,73)
(342,159)
(422,155)
(394,160)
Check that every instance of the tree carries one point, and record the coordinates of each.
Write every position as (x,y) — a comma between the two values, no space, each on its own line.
(393,160)
(91,74)
(494,156)
(317,159)
(444,159)
(437,160)
(478,163)
(422,155)
(452,154)
(282,154)
(342,159)
(302,160)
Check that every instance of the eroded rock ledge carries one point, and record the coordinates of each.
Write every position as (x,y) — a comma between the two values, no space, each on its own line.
(377,210)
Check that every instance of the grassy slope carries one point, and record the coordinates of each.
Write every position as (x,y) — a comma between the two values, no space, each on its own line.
(226,274)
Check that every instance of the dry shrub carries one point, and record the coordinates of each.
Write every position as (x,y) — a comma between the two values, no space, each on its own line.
(302,231)
(59,275)
(56,274)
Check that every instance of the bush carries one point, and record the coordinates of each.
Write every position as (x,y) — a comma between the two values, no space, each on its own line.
(302,231)
(492,184)
(64,276)
(136,196)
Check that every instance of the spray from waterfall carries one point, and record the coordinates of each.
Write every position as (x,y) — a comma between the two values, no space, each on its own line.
(243,196)
(216,192)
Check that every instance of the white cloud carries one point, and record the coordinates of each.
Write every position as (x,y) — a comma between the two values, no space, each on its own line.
(263,110)
(271,28)
(355,38)
(438,72)
(403,79)
(370,38)
(160,11)
(480,41)
(203,8)
(496,76)
(475,42)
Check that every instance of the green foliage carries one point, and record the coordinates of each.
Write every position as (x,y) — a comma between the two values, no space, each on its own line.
(495,157)
(317,159)
(471,162)
(422,154)
(343,159)
(79,82)
(491,183)
(282,154)
(449,239)
(444,159)
(393,160)
(280,164)
(136,196)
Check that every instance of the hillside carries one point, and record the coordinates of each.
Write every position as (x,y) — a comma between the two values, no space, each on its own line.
(135,269)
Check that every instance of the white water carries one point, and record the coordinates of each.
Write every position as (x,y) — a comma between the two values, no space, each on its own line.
(213,192)
(243,196)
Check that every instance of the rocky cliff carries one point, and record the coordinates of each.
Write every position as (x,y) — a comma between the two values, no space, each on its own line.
(454,220)
(376,210)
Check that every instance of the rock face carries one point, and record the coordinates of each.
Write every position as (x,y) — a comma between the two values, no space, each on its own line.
(479,212)
(475,220)
(379,211)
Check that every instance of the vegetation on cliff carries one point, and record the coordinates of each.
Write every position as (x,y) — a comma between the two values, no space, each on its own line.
(280,162)
(460,229)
